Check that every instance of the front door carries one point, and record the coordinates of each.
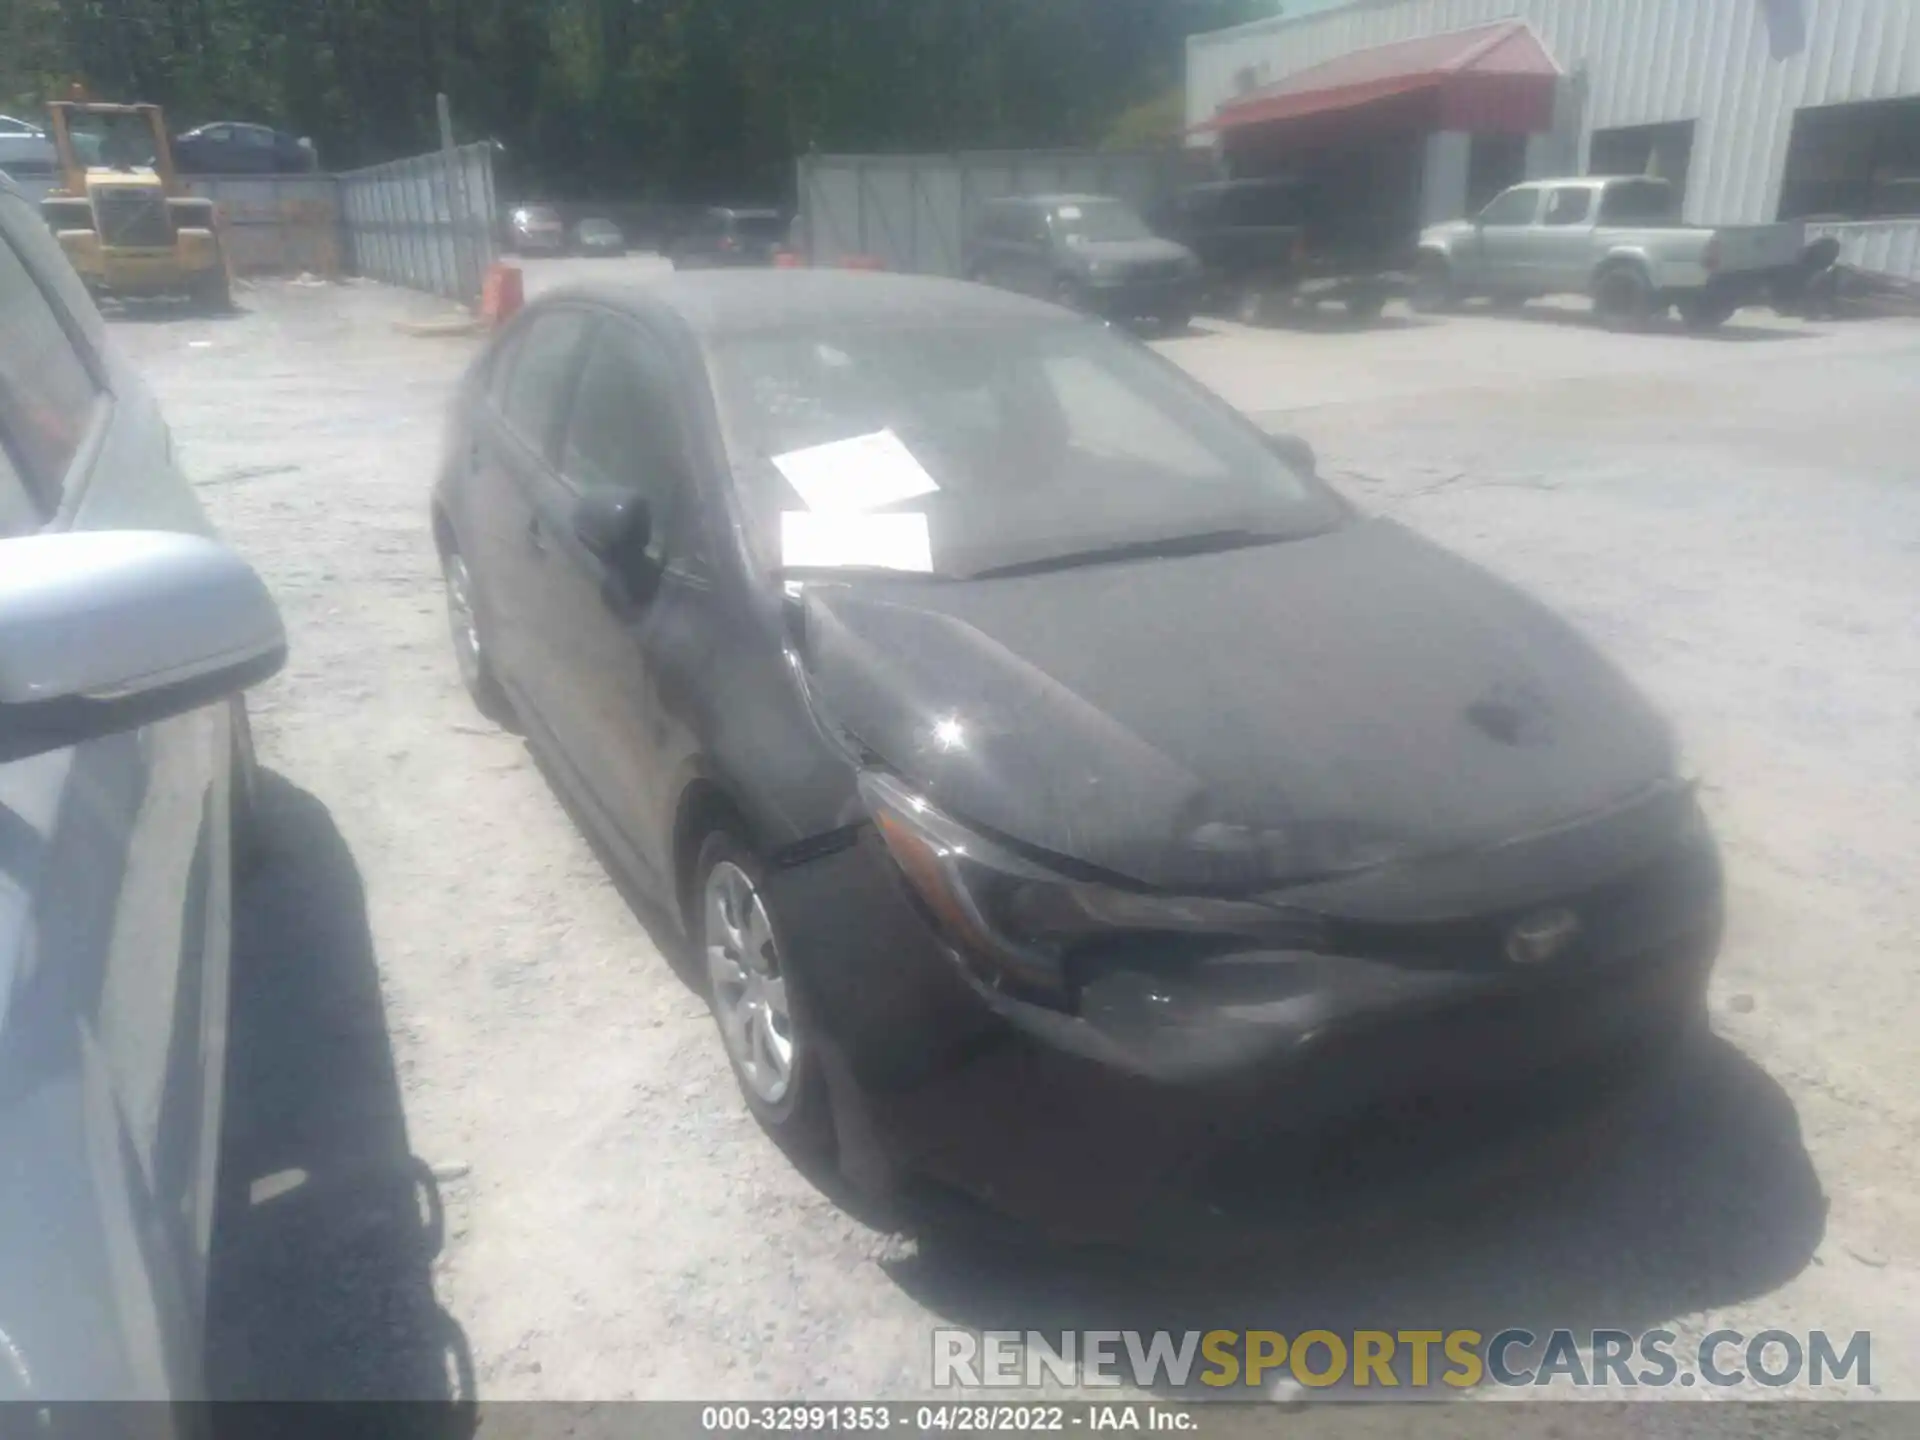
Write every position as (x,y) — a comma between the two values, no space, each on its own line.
(511,457)
(1500,241)
(622,442)
(1561,247)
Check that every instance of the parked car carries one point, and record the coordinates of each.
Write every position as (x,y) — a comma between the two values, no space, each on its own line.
(1272,242)
(1088,252)
(1618,240)
(234,147)
(25,149)
(726,236)
(535,229)
(599,236)
(127,632)
(984,697)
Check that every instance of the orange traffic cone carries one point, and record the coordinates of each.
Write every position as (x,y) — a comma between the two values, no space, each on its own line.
(502,294)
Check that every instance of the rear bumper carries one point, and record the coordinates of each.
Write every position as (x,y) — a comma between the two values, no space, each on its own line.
(1182,1069)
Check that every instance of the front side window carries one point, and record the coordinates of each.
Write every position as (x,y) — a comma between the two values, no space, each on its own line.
(540,367)
(1514,207)
(1039,439)
(622,436)
(47,395)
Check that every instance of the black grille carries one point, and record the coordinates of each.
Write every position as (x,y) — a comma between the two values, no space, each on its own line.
(129,216)
(1156,270)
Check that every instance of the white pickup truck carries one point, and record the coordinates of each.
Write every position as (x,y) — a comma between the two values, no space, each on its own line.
(1618,240)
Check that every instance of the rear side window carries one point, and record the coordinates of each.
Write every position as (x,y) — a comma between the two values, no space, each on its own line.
(1638,202)
(1569,206)
(47,394)
(19,515)
(538,371)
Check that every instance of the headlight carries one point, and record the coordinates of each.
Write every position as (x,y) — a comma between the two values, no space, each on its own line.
(1020,926)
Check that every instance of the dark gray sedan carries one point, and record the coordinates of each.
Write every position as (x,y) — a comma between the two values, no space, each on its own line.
(1032,749)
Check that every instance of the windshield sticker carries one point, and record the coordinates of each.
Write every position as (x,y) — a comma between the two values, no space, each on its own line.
(1068,212)
(836,540)
(863,473)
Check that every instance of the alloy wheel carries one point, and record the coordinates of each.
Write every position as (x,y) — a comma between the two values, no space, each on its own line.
(749,987)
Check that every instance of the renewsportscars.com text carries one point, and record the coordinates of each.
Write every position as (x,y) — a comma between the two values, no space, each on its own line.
(1402,1359)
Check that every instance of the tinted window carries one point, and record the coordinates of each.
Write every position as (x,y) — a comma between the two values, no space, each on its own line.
(1264,205)
(1569,206)
(1637,202)
(537,374)
(1515,207)
(759,227)
(1099,220)
(621,431)
(1042,438)
(46,394)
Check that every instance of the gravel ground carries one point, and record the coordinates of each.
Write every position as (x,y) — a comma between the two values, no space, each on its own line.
(484,1141)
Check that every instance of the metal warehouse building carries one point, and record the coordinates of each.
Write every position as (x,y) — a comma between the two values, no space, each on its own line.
(1757,109)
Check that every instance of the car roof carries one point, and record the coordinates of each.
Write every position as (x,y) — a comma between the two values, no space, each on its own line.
(713,303)
(745,212)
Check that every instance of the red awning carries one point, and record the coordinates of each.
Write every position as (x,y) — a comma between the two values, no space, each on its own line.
(1495,79)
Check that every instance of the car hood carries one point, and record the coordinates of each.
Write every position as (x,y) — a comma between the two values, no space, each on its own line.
(1242,720)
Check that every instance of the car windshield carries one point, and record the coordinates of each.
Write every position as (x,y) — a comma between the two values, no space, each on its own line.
(982,448)
(1099,220)
(599,229)
(119,141)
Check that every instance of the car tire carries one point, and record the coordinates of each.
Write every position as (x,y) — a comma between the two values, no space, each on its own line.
(1434,291)
(761,1016)
(243,790)
(1176,322)
(1703,312)
(1250,305)
(1069,295)
(469,636)
(210,292)
(1365,305)
(1623,299)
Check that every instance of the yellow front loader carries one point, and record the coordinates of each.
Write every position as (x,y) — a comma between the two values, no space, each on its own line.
(119,212)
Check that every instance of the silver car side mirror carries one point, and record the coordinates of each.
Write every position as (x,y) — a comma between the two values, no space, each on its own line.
(105,631)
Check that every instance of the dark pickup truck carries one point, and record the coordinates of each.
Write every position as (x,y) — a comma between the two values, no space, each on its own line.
(1275,242)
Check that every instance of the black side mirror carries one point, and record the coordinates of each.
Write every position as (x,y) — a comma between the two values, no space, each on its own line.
(615,528)
(1295,453)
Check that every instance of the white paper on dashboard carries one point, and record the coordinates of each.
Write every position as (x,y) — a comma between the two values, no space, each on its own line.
(835,539)
(864,473)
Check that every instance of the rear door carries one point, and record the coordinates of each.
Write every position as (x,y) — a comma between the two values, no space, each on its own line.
(114,903)
(624,439)
(1560,252)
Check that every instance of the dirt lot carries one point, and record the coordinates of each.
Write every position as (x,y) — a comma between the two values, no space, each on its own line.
(485,1141)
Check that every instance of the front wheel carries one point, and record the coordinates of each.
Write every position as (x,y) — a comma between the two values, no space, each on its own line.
(1434,291)
(1366,305)
(470,650)
(754,1002)
(210,292)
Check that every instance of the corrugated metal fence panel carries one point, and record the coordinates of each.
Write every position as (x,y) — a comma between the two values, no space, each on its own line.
(277,223)
(913,212)
(269,223)
(1709,61)
(425,222)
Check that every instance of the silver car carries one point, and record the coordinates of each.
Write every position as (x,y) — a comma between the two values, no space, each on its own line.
(126,635)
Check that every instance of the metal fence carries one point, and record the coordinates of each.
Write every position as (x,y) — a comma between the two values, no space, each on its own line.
(425,222)
(914,212)
(268,223)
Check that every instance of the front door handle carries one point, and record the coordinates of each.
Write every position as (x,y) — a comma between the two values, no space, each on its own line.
(537,534)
